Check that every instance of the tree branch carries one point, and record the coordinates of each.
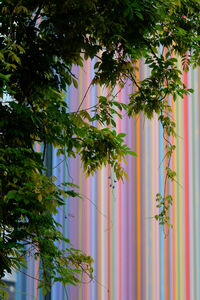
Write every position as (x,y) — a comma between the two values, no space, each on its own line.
(84,96)
(32,24)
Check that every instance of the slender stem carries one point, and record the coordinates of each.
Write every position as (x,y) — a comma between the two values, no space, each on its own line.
(84,96)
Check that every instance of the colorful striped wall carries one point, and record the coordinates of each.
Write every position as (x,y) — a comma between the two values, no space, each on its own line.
(113,222)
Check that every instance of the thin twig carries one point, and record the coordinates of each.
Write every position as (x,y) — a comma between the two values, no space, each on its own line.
(84,96)
(32,277)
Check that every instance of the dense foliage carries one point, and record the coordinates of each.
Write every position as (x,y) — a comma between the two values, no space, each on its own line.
(40,41)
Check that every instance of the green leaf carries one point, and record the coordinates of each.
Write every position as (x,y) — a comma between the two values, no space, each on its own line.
(44,291)
(121,135)
(11,194)
(75,83)
(131,153)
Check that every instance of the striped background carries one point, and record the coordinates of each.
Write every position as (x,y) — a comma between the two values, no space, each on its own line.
(113,222)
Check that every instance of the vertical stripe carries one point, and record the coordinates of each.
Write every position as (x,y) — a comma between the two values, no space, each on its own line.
(187,240)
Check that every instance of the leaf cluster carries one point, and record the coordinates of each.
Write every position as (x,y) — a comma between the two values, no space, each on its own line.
(163,203)
(40,42)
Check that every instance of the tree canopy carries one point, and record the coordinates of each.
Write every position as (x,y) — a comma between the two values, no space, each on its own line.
(40,42)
